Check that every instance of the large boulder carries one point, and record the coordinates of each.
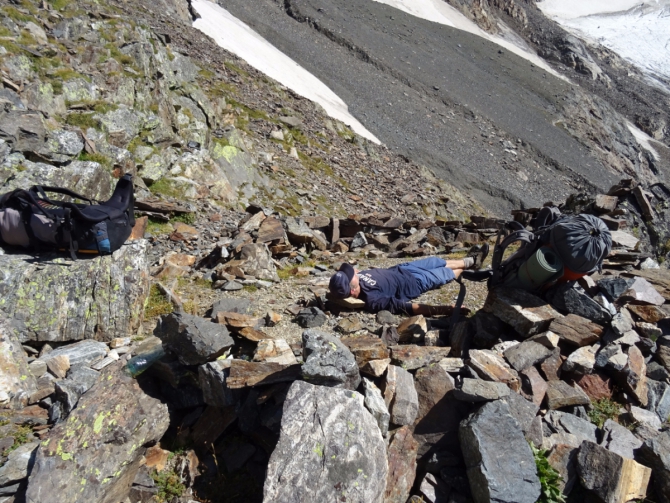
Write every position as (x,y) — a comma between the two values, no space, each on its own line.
(95,454)
(330,447)
(487,437)
(63,300)
(192,339)
(655,453)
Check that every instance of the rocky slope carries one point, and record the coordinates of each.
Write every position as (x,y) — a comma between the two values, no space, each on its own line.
(254,385)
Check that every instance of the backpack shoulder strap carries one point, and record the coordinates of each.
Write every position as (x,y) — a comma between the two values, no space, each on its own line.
(501,245)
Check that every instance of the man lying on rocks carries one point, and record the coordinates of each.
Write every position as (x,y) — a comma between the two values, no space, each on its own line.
(393,289)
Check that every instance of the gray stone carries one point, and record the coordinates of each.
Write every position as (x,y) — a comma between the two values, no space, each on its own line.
(657,372)
(526,313)
(330,445)
(655,452)
(649,330)
(232,286)
(386,318)
(560,394)
(572,298)
(611,357)
(374,402)
(622,322)
(405,405)
(526,354)
(642,292)
(230,305)
(613,478)
(114,422)
(80,353)
(581,361)
(63,146)
(328,361)
(192,339)
(69,391)
(484,436)
(359,241)
(525,413)
(37,368)
(23,130)
(212,378)
(619,439)
(109,290)
(19,464)
(258,262)
(311,317)
(299,233)
(613,286)
(658,399)
(79,90)
(476,390)
(434,490)
(563,422)
(644,417)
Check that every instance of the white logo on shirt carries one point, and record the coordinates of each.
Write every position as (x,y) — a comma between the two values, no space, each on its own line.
(366,278)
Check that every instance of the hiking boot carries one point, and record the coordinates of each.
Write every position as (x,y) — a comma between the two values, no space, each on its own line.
(479,254)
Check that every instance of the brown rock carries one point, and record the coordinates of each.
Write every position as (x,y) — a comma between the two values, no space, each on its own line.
(650,314)
(139,229)
(272,319)
(491,367)
(276,351)
(348,303)
(366,349)
(253,222)
(533,387)
(411,328)
(349,325)
(605,204)
(560,394)
(526,313)
(375,368)
(213,422)
(238,320)
(390,383)
(412,357)
(642,292)
(184,232)
(271,230)
(660,278)
(643,202)
(59,365)
(562,458)
(340,247)
(402,466)
(634,377)
(156,458)
(461,336)
(576,330)
(551,367)
(243,373)
(597,385)
(252,335)
(432,384)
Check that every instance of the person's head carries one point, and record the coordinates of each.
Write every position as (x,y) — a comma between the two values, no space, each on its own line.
(344,283)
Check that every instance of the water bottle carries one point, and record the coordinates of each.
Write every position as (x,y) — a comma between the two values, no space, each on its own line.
(139,363)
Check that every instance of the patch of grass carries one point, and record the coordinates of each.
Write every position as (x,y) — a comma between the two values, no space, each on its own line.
(83,120)
(185,218)
(102,107)
(60,4)
(66,74)
(207,74)
(250,288)
(156,304)
(16,15)
(103,160)
(549,478)
(164,187)
(168,484)
(236,69)
(156,227)
(602,410)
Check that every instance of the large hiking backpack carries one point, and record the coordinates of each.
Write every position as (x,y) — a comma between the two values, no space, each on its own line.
(560,247)
(30,219)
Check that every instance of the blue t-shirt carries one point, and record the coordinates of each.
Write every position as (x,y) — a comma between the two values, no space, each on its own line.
(389,289)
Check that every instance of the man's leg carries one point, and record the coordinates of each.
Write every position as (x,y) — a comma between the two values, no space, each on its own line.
(456,264)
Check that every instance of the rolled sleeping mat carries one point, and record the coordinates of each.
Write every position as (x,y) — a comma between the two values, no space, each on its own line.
(543,266)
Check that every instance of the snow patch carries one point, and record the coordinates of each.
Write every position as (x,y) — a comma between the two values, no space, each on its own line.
(643,139)
(440,12)
(639,31)
(237,37)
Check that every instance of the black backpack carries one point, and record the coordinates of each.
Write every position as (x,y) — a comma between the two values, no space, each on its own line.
(30,219)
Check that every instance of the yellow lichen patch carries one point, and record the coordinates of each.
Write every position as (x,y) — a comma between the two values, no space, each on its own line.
(97,425)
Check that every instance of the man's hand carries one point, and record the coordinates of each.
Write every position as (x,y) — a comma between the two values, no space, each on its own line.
(427,310)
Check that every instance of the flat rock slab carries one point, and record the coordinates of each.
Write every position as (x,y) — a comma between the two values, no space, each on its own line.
(95,454)
(411,357)
(526,354)
(491,367)
(560,394)
(613,478)
(526,313)
(328,361)
(79,353)
(619,439)
(642,292)
(405,405)
(192,339)
(576,330)
(244,374)
(476,390)
(366,349)
(655,452)
(58,299)
(500,464)
(574,300)
(330,447)
(402,466)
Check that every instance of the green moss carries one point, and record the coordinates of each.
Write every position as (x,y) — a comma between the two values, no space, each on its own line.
(236,69)
(13,13)
(550,479)
(207,74)
(82,120)
(602,410)
(164,187)
(157,227)
(61,4)
(103,107)
(250,288)
(65,74)
(168,484)
(21,436)
(97,157)
(185,218)
(156,304)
